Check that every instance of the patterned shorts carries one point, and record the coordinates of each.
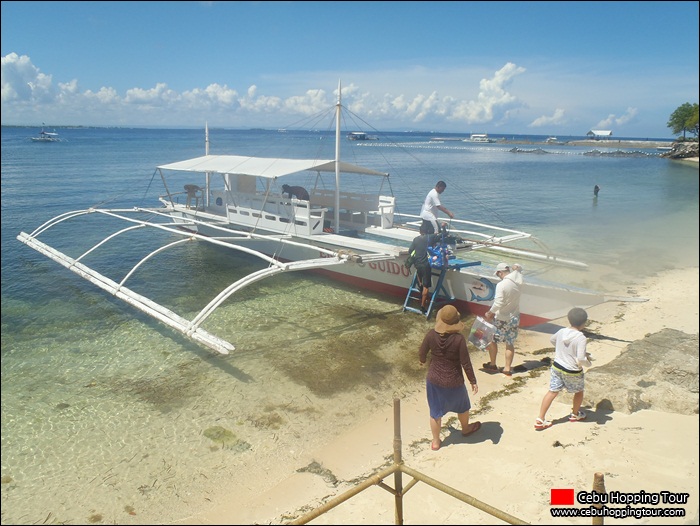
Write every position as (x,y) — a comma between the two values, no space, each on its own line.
(506,331)
(559,380)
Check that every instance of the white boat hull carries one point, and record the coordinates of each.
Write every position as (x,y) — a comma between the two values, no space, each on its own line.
(470,288)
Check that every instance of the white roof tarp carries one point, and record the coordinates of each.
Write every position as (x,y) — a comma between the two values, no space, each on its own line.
(267,167)
(600,133)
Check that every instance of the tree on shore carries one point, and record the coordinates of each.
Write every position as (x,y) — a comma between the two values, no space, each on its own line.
(684,119)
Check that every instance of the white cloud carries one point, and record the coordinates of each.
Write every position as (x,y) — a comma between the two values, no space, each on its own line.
(21,81)
(555,120)
(214,97)
(104,96)
(475,97)
(611,119)
(493,100)
(157,95)
(310,103)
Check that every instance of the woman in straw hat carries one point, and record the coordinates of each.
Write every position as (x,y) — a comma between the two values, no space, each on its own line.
(447,392)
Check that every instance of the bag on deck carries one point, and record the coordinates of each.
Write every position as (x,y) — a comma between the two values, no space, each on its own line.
(437,256)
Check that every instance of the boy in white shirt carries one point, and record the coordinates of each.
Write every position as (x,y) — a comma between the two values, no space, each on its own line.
(570,357)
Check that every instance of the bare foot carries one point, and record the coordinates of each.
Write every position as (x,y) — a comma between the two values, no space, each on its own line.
(435,445)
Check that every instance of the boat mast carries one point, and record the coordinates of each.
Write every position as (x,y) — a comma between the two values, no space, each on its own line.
(206,152)
(336,214)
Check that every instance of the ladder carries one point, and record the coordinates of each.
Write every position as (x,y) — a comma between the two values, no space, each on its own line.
(440,296)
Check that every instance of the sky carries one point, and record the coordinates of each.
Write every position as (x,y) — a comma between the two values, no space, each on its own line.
(542,68)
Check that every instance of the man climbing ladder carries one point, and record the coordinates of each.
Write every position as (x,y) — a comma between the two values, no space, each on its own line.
(431,256)
(418,251)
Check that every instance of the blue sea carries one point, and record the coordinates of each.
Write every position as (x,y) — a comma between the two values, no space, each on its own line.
(110,417)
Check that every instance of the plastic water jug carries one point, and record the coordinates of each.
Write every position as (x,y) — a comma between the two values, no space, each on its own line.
(482,333)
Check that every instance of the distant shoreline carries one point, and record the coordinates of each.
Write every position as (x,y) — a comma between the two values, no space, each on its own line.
(607,143)
(448,137)
(603,143)
(622,143)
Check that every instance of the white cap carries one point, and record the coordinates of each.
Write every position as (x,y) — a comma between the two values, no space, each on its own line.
(500,268)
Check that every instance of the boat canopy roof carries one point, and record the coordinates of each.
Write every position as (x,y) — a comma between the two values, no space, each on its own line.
(267,167)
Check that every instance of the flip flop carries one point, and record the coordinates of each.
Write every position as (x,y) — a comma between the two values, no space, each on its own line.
(542,424)
(475,427)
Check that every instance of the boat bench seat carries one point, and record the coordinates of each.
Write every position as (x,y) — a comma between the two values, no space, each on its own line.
(357,209)
(351,202)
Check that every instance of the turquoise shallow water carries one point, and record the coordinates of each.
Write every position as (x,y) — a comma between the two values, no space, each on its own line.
(109,415)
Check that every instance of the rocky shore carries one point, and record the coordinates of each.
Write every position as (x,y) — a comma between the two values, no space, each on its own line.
(683,150)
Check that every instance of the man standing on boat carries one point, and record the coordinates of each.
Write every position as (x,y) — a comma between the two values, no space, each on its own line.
(430,207)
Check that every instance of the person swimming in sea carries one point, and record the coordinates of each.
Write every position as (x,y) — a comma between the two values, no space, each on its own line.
(596,189)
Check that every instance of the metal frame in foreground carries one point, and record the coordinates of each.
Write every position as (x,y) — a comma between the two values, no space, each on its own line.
(399,490)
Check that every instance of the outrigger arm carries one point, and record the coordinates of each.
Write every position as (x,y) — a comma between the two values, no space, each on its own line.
(134,299)
(190,328)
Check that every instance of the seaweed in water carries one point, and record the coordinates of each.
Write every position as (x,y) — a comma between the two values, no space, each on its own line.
(226,438)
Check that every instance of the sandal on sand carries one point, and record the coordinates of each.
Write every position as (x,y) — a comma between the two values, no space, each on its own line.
(432,446)
(507,373)
(542,424)
(475,427)
(488,367)
(577,417)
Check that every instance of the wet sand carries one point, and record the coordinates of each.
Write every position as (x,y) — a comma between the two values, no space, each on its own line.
(507,464)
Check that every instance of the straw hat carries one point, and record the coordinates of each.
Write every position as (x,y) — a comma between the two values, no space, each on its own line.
(448,320)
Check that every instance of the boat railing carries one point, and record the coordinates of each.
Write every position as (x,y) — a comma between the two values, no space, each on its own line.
(358,209)
(276,213)
(482,236)
(192,195)
(471,230)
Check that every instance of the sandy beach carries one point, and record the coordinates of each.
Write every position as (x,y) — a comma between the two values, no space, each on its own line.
(507,464)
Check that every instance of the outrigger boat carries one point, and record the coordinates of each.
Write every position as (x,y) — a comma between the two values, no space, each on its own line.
(361,136)
(45,136)
(355,237)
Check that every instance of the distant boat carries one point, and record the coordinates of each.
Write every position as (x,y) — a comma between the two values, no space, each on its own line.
(45,136)
(479,137)
(361,136)
(553,140)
